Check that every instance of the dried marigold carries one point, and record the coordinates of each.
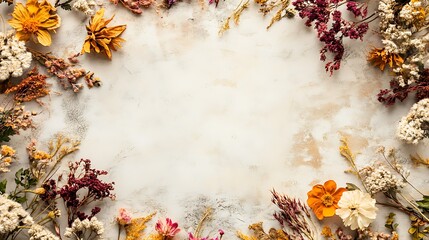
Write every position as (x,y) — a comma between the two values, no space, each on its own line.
(101,38)
(379,57)
(32,87)
(35,19)
(323,199)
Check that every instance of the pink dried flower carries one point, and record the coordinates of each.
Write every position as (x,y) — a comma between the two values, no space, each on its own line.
(167,229)
(124,217)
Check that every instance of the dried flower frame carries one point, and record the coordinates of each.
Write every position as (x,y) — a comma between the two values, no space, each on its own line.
(47,204)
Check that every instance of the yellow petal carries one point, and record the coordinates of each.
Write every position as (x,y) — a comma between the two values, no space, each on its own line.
(15,24)
(23,36)
(44,37)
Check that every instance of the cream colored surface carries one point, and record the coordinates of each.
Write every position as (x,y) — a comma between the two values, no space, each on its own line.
(186,119)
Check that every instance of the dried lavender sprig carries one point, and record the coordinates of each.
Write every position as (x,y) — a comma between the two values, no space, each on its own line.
(294,215)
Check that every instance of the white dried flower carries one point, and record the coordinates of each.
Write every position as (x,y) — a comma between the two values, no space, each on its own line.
(379,179)
(14,57)
(38,232)
(84,228)
(414,127)
(357,209)
(12,215)
(85,6)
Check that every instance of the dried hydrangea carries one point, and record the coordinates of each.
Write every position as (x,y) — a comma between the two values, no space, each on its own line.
(14,57)
(12,215)
(414,127)
(379,179)
(38,232)
(85,228)
(7,154)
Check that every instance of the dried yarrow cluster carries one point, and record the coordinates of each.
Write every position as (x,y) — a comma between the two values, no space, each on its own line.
(85,228)
(38,232)
(377,178)
(415,126)
(14,57)
(12,216)
(88,7)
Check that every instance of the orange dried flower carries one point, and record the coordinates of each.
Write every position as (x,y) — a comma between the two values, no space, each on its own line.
(32,87)
(379,57)
(323,199)
(35,19)
(101,38)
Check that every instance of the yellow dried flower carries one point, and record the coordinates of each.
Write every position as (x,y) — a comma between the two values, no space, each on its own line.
(236,14)
(39,191)
(35,19)
(379,57)
(7,151)
(135,229)
(7,160)
(41,155)
(101,38)
(327,232)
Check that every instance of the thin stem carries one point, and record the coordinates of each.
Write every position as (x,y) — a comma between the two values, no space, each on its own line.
(3,24)
(415,207)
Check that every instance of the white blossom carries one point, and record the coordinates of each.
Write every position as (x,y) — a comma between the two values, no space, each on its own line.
(378,179)
(85,227)
(414,127)
(357,209)
(38,232)
(12,215)
(85,6)
(14,57)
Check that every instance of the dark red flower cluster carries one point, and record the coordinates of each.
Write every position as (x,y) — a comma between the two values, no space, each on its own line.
(397,92)
(82,188)
(321,13)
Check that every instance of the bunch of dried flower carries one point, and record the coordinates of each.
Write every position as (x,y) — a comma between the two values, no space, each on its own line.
(7,155)
(14,119)
(135,6)
(65,71)
(32,87)
(260,234)
(244,4)
(14,57)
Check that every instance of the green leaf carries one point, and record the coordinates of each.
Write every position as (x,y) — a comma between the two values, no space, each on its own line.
(66,6)
(351,187)
(424,203)
(3,186)
(6,133)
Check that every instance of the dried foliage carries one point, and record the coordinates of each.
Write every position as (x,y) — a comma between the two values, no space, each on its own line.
(260,234)
(244,4)
(379,57)
(32,87)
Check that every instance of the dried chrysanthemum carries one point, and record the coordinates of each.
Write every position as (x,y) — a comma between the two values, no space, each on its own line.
(357,209)
(101,38)
(35,19)
(379,57)
(14,57)
(32,87)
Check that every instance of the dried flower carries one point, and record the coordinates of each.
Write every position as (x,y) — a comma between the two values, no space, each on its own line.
(167,228)
(323,199)
(134,230)
(380,58)
(66,72)
(14,57)
(124,217)
(236,14)
(13,120)
(83,229)
(83,177)
(7,154)
(38,232)
(102,38)
(135,6)
(357,209)
(260,234)
(378,179)
(35,19)
(85,6)
(32,87)
(12,216)
(415,126)
(294,215)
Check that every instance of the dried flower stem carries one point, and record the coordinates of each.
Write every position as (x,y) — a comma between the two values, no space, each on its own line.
(206,216)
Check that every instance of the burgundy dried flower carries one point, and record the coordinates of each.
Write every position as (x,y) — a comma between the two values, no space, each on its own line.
(83,177)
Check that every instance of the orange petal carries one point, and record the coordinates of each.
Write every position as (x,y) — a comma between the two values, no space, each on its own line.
(318,191)
(337,195)
(23,36)
(330,186)
(329,212)
(313,202)
(318,212)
